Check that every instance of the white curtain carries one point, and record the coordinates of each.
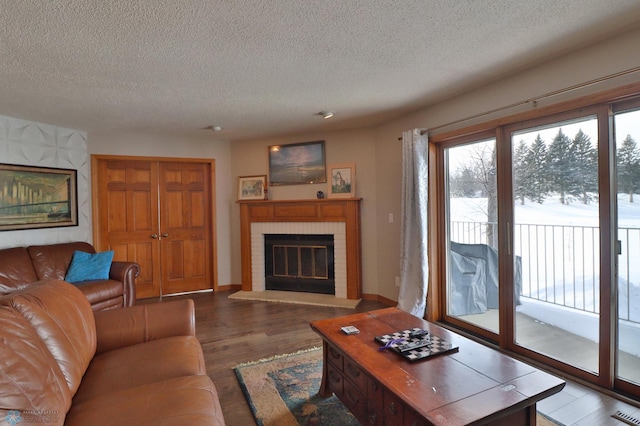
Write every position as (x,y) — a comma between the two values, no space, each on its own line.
(414,265)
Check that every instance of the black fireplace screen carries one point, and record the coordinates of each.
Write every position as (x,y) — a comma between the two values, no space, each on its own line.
(299,263)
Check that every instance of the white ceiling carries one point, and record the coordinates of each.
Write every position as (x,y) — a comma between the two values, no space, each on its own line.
(265,67)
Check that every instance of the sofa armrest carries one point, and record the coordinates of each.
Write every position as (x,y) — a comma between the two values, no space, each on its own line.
(126,272)
(118,328)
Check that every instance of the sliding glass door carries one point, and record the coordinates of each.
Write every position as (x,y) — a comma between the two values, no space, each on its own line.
(556,240)
(472,234)
(541,240)
(627,131)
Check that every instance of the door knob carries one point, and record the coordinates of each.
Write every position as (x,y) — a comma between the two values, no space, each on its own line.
(154,236)
(165,235)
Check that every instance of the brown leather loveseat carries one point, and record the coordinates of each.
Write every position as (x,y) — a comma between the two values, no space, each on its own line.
(23,266)
(63,364)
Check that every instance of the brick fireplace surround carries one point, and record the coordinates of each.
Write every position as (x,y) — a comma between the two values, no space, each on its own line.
(339,217)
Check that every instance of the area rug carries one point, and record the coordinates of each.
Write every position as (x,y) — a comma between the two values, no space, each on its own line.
(297,298)
(283,391)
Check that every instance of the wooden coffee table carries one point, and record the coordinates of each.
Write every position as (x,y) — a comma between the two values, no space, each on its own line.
(475,386)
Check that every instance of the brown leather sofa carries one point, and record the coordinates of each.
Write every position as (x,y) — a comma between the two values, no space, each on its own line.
(63,364)
(23,266)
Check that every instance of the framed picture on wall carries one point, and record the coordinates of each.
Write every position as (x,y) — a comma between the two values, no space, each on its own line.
(37,197)
(342,183)
(297,163)
(252,187)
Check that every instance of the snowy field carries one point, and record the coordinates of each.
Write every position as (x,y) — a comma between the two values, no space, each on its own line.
(547,213)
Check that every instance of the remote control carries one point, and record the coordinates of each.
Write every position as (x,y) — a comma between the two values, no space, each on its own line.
(413,345)
(418,334)
(349,329)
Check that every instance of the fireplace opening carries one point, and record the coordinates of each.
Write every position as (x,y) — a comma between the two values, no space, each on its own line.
(299,263)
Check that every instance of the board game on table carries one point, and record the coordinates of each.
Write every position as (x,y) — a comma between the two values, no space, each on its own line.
(415,348)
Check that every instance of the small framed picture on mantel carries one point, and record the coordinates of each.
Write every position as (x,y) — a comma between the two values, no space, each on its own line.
(252,187)
(342,183)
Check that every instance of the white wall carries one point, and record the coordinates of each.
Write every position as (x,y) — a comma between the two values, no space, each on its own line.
(153,145)
(36,144)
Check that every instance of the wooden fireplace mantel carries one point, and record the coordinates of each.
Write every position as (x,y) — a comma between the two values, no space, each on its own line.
(345,210)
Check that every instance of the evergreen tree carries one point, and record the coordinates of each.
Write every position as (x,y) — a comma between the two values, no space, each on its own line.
(559,165)
(583,167)
(535,173)
(519,171)
(628,162)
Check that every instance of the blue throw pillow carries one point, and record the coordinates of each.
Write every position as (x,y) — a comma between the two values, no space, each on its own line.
(86,266)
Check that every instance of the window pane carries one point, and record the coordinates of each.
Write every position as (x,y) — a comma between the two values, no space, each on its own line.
(306,262)
(627,127)
(292,261)
(279,260)
(321,262)
(472,269)
(556,241)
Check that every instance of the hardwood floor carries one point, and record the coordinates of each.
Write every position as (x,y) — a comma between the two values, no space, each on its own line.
(237,331)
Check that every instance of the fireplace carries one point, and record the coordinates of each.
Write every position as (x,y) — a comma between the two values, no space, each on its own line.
(302,263)
(339,218)
(261,230)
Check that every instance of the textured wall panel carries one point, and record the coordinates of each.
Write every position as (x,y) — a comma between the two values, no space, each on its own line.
(36,144)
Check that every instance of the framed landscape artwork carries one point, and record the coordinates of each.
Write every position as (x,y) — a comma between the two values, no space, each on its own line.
(297,163)
(252,187)
(37,197)
(342,183)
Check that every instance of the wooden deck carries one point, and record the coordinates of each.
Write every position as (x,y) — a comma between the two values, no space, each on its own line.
(544,338)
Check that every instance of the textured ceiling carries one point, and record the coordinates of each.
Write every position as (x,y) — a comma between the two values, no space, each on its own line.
(266,67)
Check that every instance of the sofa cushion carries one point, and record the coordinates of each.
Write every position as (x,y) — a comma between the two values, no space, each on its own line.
(89,266)
(16,269)
(141,364)
(52,261)
(30,378)
(62,317)
(191,400)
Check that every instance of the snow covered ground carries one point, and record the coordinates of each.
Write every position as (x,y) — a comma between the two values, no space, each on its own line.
(559,247)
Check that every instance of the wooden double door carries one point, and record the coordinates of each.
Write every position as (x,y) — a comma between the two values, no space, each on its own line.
(158,213)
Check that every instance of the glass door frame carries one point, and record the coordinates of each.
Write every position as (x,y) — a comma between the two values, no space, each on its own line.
(607,233)
(505,340)
(443,233)
(619,383)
